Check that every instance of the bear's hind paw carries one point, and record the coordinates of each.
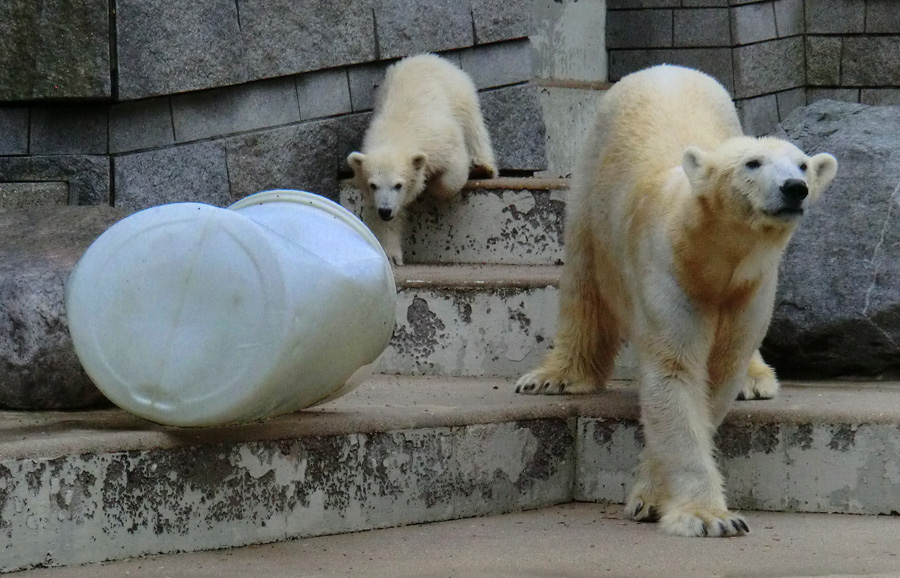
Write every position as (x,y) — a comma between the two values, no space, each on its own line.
(537,383)
(760,387)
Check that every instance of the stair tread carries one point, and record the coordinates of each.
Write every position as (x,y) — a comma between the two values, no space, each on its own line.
(477,275)
(392,403)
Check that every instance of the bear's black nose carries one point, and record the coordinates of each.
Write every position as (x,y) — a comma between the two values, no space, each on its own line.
(386,214)
(794,191)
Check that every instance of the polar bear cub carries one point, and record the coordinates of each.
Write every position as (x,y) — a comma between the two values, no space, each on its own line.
(426,134)
(673,239)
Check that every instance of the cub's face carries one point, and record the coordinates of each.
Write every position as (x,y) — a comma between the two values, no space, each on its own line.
(762,180)
(390,180)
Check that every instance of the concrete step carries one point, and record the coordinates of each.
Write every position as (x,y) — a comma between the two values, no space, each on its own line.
(512,221)
(91,486)
(475,320)
(570,540)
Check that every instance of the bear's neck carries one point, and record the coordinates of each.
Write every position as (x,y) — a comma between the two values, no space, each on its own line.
(723,261)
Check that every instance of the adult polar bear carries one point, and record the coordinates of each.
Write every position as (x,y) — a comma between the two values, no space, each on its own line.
(674,233)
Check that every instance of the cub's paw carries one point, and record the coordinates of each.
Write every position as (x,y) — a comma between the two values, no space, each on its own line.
(395,257)
(702,523)
(482,171)
(759,385)
(538,382)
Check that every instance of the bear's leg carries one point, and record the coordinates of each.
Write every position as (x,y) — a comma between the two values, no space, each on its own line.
(478,143)
(388,233)
(587,341)
(446,185)
(760,381)
(678,429)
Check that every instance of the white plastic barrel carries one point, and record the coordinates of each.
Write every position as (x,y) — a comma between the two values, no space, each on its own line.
(192,315)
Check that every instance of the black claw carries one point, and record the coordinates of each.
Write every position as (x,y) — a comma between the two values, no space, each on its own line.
(723,530)
(736,524)
(637,510)
(741,396)
(744,526)
(703,530)
(652,514)
(528,387)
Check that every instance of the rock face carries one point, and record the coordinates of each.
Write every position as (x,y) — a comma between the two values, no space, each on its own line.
(39,247)
(838,307)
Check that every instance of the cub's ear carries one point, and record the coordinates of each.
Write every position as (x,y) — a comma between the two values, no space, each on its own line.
(693,162)
(822,168)
(356,160)
(419,160)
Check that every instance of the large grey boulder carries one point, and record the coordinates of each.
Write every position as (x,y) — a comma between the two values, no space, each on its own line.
(38,249)
(838,307)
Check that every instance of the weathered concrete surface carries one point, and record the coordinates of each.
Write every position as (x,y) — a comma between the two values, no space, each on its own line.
(571,540)
(502,221)
(38,249)
(395,451)
(33,194)
(838,305)
(570,40)
(491,320)
(213,496)
(775,455)
(88,176)
(54,49)
(569,116)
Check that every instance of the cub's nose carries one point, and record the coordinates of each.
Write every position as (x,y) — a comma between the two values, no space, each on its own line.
(794,191)
(386,214)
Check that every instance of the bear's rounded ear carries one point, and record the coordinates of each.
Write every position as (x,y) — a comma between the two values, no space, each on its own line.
(419,160)
(356,161)
(692,162)
(823,167)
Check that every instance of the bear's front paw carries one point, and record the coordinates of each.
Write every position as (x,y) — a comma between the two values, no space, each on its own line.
(396,257)
(538,382)
(482,171)
(759,386)
(702,522)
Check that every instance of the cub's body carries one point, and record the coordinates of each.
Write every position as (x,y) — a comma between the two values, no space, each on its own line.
(426,134)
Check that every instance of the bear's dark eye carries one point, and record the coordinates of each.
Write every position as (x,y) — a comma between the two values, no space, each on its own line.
(373,186)
(398,186)
(754,164)
(803,167)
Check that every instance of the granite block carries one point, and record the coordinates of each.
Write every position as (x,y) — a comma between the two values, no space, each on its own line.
(406,27)
(704,3)
(140,124)
(298,157)
(514,119)
(194,172)
(883,16)
(349,132)
(168,46)
(835,16)
(842,94)
(880,96)
(789,101)
(364,81)
(753,23)
(498,64)
(714,61)
(70,129)
(703,27)
(639,29)
(570,42)
(14,131)
(870,61)
(789,17)
(88,175)
(18,196)
(323,93)
(54,49)
(287,37)
(496,20)
(768,67)
(823,60)
(759,116)
(620,4)
(233,109)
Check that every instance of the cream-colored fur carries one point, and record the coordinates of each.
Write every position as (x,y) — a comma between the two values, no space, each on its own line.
(674,233)
(426,134)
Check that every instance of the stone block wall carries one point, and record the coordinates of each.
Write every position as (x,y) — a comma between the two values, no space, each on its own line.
(142,102)
(772,55)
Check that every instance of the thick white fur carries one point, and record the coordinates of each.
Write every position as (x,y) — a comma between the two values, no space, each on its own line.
(673,242)
(426,134)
